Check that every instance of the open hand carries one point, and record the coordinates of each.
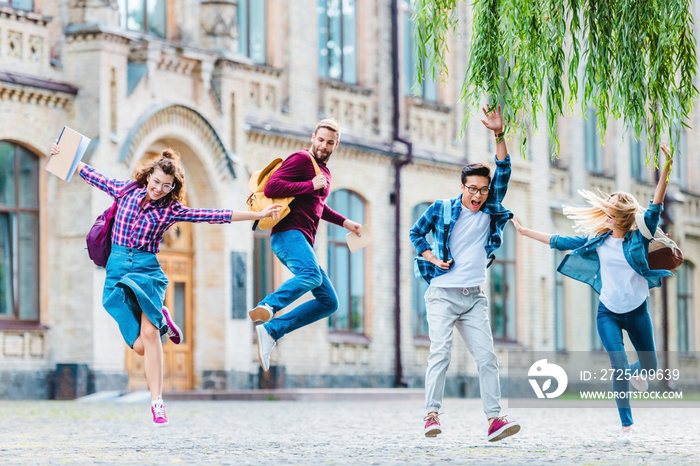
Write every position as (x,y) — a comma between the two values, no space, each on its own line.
(667,152)
(494,119)
(518,227)
(272,211)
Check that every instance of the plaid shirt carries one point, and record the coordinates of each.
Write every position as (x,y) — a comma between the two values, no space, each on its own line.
(432,221)
(144,228)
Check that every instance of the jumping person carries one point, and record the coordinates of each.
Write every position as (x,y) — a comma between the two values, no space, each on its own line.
(455,296)
(611,257)
(135,284)
(292,241)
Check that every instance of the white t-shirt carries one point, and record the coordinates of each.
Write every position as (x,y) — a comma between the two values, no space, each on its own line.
(623,289)
(467,243)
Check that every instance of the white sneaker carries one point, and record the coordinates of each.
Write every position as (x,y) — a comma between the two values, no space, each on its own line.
(626,435)
(639,383)
(265,345)
(261,313)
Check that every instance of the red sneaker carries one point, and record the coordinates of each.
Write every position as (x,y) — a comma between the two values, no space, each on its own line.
(160,419)
(432,425)
(174,332)
(500,429)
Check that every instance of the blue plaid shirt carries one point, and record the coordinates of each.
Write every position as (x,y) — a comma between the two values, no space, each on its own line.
(432,222)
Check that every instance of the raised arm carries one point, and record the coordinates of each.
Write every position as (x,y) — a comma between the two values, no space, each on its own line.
(536,235)
(660,192)
(494,122)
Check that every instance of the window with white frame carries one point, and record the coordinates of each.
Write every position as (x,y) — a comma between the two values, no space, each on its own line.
(19,234)
(684,296)
(420,286)
(502,281)
(147,16)
(428,89)
(347,270)
(252,29)
(338,40)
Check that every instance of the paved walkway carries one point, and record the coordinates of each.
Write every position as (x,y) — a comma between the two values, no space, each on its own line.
(333,432)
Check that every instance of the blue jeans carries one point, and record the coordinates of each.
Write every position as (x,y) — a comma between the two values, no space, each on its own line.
(638,326)
(294,251)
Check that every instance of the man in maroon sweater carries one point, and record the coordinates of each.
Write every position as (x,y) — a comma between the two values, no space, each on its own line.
(293,238)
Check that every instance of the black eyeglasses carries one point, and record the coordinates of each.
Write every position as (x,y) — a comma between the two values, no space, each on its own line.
(473,190)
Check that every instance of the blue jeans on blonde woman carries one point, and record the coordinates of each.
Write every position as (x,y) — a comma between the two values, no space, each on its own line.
(296,253)
(637,323)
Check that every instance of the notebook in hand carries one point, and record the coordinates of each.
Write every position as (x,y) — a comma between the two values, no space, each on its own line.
(355,243)
(73,146)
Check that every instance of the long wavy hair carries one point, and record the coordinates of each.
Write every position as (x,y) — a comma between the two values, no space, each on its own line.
(593,220)
(169,162)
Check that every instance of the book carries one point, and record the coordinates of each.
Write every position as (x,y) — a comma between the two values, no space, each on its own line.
(73,146)
(355,243)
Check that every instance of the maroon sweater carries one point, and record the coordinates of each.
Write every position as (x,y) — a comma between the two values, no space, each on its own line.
(293,178)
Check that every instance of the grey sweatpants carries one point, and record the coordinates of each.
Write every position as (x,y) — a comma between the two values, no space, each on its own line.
(445,308)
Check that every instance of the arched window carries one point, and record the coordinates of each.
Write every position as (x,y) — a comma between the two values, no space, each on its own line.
(19,234)
(346,270)
(502,283)
(420,321)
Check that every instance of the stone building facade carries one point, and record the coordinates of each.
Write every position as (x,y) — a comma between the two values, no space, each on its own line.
(232,84)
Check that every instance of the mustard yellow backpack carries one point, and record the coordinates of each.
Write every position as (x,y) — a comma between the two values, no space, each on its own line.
(257,201)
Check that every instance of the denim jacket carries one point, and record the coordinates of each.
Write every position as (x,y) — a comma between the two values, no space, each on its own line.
(432,221)
(583,264)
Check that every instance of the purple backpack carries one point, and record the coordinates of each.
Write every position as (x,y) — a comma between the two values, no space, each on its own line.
(99,238)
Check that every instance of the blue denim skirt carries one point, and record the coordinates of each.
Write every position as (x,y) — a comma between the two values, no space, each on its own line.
(135,283)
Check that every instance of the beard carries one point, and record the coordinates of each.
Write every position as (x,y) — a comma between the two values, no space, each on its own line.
(320,157)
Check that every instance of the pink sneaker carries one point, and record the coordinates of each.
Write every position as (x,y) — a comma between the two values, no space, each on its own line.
(432,425)
(174,332)
(160,419)
(500,429)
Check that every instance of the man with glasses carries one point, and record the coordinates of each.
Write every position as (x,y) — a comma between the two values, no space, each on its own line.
(456,270)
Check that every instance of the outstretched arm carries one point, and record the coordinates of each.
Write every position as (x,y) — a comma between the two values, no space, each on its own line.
(242,215)
(494,122)
(536,235)
(660,192)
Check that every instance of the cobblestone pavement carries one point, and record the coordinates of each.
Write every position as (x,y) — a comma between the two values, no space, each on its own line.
(333,432)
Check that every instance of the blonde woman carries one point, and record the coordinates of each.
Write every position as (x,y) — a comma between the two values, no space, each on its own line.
(135,284)
(611,256)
